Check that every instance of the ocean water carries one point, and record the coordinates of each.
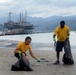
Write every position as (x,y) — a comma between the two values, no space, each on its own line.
(39,40)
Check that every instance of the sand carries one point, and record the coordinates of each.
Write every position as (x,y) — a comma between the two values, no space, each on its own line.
(43,68)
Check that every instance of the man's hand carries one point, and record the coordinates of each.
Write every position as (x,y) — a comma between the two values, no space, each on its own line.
(54,39)
(19,52)
(37,59)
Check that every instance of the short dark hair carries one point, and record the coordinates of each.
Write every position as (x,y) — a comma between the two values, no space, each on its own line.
(62,22)
(27,38)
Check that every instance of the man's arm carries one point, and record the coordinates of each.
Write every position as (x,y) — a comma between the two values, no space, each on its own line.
(67,36)
(54,35)
(68,32)
(31,53)
(16,50)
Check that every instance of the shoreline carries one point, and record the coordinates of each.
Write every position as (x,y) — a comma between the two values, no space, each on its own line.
(35,46)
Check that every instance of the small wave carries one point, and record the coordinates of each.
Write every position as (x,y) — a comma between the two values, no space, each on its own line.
(4,44)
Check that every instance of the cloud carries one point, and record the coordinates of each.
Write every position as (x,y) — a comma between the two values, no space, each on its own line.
(39,8)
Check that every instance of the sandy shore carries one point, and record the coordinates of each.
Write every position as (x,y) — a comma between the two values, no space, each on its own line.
(43,68)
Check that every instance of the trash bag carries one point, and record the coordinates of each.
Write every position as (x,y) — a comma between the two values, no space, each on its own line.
(16,66)
(66,60)
(25,64)
(21,65)
(67,48)
(67,56)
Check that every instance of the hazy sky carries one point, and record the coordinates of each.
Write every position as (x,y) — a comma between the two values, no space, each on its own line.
(39,8)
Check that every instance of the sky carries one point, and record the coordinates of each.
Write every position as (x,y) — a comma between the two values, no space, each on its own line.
(38,8)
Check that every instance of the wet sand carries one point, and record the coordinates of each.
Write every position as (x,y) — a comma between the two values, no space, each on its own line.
(43,68)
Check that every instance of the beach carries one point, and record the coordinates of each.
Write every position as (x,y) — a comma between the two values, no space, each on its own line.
(7,58)
(43,48)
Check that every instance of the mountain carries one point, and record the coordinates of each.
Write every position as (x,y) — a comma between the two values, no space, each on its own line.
(45,24)
(50,23)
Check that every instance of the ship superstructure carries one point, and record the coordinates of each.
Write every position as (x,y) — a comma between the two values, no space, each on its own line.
(20,27)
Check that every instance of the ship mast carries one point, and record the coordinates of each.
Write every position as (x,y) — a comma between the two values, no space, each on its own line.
(20,17)
(23,19)
(25,15)
(9,17)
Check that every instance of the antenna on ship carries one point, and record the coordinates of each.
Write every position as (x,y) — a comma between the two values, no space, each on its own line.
(25,15)
(9,17)
(20,17)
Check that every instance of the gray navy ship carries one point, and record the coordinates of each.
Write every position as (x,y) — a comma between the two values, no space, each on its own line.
(20,27)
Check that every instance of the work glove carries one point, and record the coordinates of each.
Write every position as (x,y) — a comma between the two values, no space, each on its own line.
(54,39)
(20,53)
(37,59)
